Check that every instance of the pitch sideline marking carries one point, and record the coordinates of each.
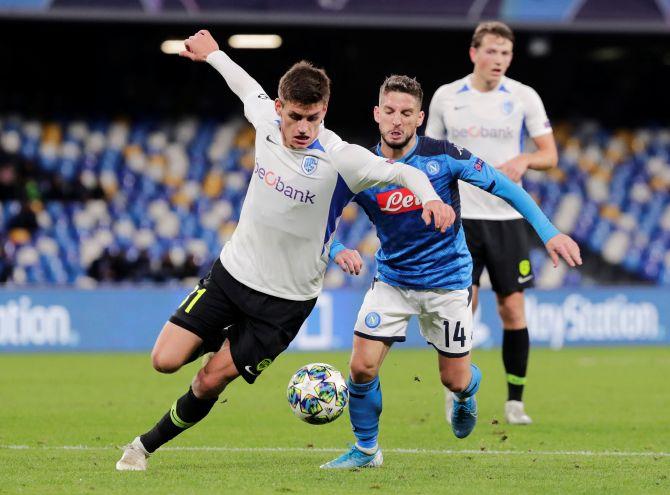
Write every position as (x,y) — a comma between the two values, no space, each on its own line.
(587,453)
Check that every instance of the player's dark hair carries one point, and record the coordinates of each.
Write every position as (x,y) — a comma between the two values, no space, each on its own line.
(402,84)
(304,84)
(491,27)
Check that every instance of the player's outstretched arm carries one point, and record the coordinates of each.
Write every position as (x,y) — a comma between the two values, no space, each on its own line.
(479,173)
(556,243)
(202,47)
(362,169)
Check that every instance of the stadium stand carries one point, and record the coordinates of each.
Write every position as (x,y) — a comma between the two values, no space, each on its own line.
(149,201)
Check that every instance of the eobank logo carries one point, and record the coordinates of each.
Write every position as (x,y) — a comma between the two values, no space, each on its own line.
(271,179)
(22,324)
(480,132)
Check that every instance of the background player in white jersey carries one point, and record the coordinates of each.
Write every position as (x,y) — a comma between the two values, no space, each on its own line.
(263,287)
(421,273)
(488,114)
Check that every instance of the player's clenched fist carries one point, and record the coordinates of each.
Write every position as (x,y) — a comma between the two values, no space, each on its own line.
(563,246)
(199,46)
(441,213)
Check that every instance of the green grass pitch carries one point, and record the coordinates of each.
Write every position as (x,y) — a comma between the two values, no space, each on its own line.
(602,425)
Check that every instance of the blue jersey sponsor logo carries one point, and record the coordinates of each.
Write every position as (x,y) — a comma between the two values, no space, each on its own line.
(309,164)
(372,320)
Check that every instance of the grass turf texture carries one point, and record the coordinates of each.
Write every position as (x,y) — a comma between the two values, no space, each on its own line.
(598,400)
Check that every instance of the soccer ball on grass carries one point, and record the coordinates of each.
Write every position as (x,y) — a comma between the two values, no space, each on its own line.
(317,393)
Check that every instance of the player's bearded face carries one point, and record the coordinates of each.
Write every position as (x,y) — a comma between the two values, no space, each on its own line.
(398,115)
(300,124)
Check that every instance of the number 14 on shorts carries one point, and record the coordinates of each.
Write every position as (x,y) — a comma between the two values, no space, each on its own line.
(458,333)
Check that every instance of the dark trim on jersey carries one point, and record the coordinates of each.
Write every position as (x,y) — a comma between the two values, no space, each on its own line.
(469,295)
(341,197)
(380,339)
(450,354)
(491,187)
(433,147)
(378,150)
(455,198)
(426,146)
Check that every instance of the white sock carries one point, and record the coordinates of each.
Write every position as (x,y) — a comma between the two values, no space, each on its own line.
(369,451)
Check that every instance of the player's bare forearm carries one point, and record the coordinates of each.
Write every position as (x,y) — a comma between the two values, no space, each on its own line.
(546,156)
(542,160)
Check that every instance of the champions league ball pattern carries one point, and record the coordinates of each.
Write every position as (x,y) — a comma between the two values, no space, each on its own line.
(317,393)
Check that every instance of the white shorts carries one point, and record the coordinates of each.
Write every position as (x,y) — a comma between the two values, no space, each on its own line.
(445,317)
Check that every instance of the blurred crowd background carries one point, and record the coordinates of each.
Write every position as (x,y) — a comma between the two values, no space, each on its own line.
(122,164)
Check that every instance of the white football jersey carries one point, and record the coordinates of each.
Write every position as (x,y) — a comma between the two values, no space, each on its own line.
(491,126)
(295,198)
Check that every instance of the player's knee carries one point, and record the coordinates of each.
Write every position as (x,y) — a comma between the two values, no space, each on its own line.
(455,383)
(512,312)
(164,364)
(362,372)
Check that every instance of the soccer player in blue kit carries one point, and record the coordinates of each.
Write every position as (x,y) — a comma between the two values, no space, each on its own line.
(420,272)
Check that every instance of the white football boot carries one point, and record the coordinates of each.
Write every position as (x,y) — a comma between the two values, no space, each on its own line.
(134,457)
(515,413)
(448,404)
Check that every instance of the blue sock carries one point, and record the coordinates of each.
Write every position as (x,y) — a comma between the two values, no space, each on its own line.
(472,388)
(365,407)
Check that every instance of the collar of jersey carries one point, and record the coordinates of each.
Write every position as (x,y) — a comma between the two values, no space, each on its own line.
(403,158)
(468,82)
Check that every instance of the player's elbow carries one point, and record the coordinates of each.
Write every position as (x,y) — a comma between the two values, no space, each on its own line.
(552,158)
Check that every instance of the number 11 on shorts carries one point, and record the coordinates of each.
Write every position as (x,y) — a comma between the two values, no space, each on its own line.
(459,333)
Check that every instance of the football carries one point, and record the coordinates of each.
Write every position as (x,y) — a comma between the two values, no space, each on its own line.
(317,393)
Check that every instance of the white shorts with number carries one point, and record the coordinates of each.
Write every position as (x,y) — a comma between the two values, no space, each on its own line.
(445,317)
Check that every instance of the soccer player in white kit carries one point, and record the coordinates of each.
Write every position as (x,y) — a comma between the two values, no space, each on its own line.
(265,283)
(488,113)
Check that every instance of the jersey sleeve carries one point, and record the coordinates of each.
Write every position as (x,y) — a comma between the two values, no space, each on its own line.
(536,120)
(335,247)
(477,172)
(362,169)
(258,106)
(435,123)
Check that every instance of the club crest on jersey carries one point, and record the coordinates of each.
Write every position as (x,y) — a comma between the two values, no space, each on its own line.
(309,164)
(398,201)
(372,320)
(433,167)
(507,107)
(478,164)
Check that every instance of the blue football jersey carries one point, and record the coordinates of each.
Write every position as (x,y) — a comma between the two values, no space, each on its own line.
(413,255)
